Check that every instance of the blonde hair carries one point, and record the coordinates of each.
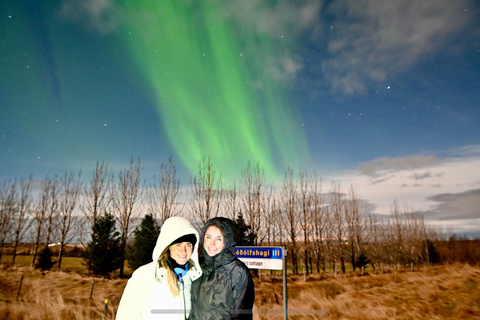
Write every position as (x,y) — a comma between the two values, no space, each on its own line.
(172,279)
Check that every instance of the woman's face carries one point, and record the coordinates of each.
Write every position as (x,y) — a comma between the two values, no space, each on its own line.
(213,242)
(181,252)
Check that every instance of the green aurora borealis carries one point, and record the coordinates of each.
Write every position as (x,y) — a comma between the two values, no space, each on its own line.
(211,98)
(185,77)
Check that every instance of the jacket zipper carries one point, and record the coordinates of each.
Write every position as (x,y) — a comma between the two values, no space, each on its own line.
(184,302)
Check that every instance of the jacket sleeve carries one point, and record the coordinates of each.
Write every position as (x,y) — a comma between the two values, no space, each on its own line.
(194,299)
(243,293)
(132,303)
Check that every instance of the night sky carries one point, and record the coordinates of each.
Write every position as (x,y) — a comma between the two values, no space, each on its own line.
(382,94)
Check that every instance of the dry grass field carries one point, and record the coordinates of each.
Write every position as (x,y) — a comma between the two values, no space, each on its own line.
(434,293)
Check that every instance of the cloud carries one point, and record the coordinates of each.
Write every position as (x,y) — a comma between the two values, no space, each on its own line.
(102,16)
(367,205)
(382,179)
(275,19)
(463,205)
(284,23)
(371,39)
(445,190)
(466,151)
(426,175)
(381,166)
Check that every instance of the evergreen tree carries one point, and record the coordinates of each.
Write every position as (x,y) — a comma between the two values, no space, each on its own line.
(362,260)
(145,239)
(243,233)
(102,255)
(45,261)
(433,255)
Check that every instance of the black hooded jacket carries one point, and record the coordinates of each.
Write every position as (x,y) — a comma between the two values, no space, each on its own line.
(225,290)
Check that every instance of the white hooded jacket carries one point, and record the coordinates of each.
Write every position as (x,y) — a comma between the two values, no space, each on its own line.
(146,295)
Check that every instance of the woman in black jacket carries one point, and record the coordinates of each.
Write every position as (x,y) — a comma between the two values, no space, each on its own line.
(225,290)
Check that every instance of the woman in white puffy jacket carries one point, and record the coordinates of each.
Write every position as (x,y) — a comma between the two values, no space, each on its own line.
(161,288)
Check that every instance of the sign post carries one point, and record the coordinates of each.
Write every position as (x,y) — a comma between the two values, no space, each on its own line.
(271,258)
(285,305)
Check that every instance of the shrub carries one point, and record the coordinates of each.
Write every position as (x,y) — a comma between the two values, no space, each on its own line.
(45,261)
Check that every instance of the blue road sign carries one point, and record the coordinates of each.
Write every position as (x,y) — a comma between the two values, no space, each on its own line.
(261,257)
(259,252)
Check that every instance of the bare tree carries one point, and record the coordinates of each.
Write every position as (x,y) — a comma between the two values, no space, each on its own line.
(269,214)
(397,250)
(40,214)
(97,196)
(70,188)
(278,230)
(253,181)
(318,221)
(354,224)
(330,236)
(231,202)
(415,237)
(337,207)
(273,218)
(207,192)
(304,203)
(424,236)
(374,241)
(272,224)
(52,213)
(21,214)
(161,198)
(291,217)
(7,204)
(124,201)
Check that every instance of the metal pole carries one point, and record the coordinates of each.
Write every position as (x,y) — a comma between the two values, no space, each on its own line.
(285,308)
(91,288)
(19,286)
(106,307)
